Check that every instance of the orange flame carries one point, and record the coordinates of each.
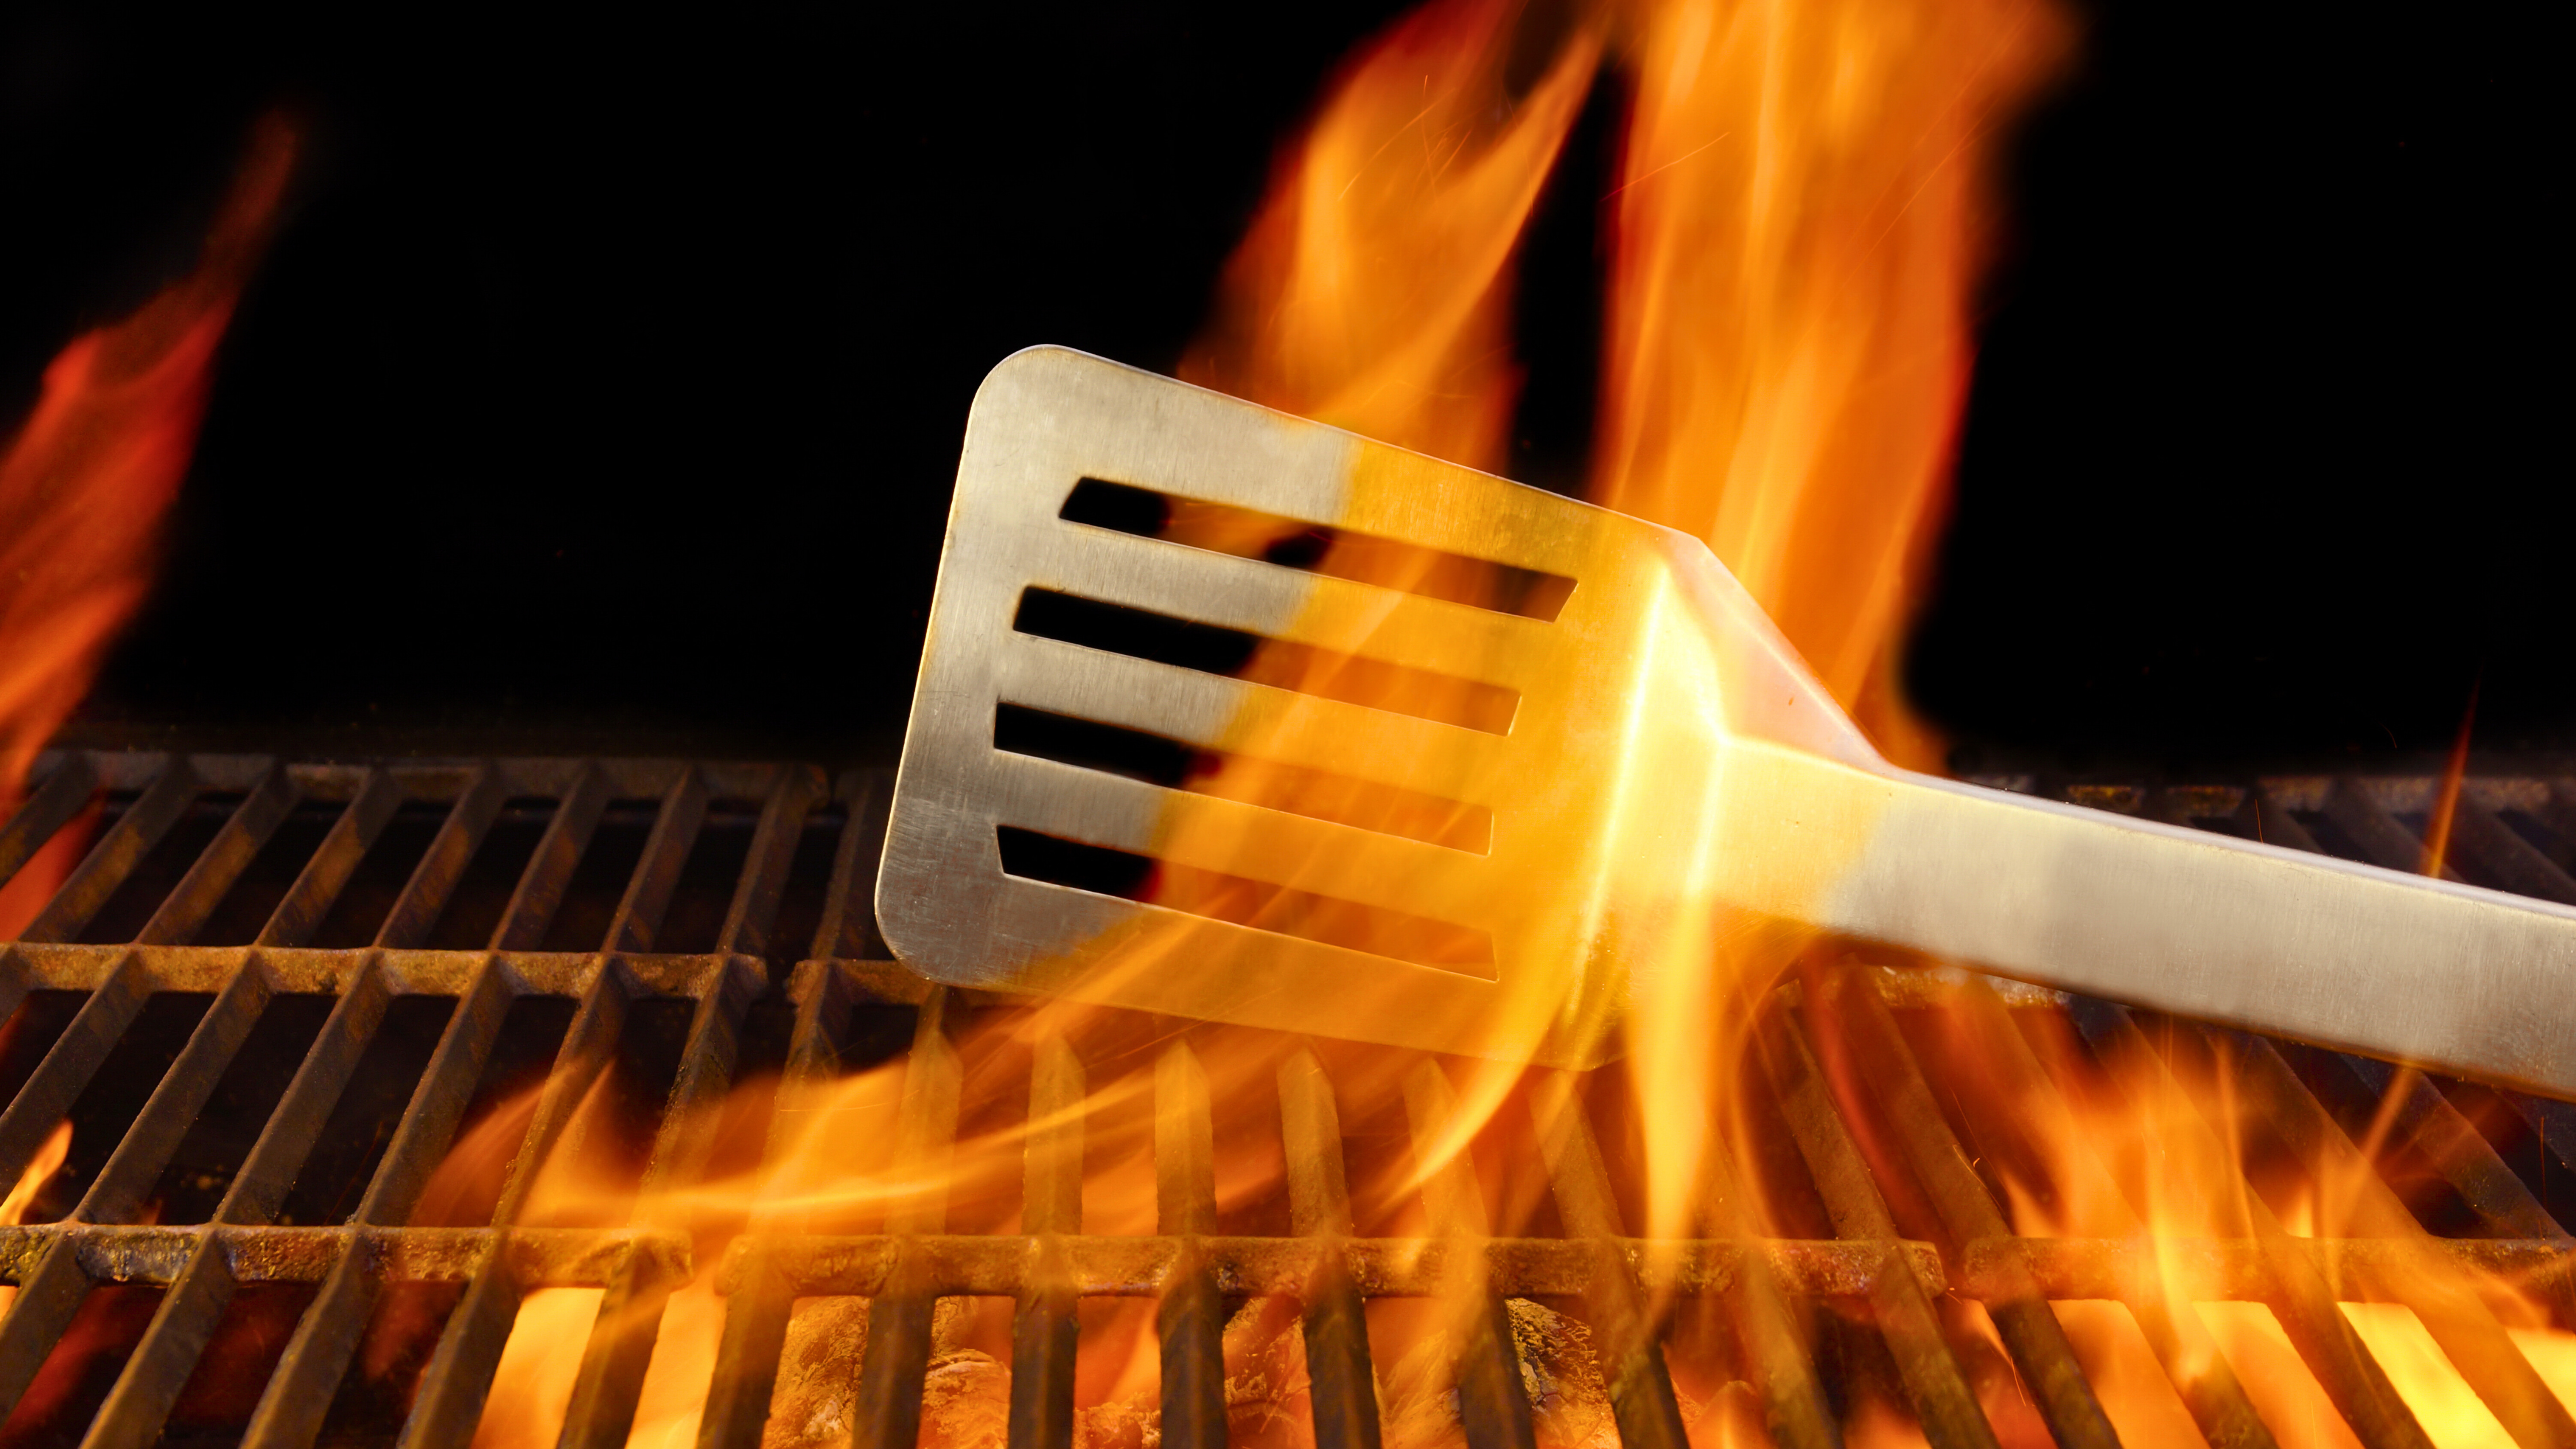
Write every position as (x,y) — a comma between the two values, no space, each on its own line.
(1798,224)
(2446,800)
(2169,1145)
(1795,234)
(40,1170)
(1374,290)
(84,483)
(2113,1143)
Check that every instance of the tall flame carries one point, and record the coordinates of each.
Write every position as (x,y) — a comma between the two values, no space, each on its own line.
(1794,181)
(1374,291)
(84,483)
(1796,229)
(1799,223)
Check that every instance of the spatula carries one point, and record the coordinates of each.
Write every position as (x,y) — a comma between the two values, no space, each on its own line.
(1236,716)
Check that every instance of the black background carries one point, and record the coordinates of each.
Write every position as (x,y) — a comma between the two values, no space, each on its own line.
(603,388)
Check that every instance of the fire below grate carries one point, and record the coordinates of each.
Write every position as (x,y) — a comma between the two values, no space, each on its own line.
(270,997)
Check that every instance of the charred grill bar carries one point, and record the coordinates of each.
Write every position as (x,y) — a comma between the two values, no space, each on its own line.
(696,914)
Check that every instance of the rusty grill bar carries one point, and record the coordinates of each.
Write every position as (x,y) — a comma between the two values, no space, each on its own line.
(803,838)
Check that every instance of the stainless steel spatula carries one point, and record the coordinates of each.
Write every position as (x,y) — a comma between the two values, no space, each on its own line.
(1236,716)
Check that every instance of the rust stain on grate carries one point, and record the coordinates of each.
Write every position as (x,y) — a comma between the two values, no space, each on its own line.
(620,889)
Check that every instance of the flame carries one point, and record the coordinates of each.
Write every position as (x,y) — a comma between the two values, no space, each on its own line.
(84,483)
(2104,1142)
(2446,800)
(1373,292)
(40,1170)
(534,1382)
(844,1162)
(1795,233)
(2167,1145)
(1798,222)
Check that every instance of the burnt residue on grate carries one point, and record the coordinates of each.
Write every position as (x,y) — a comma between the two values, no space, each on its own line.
(272,998)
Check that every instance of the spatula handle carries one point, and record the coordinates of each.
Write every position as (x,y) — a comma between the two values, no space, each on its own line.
(2469,981)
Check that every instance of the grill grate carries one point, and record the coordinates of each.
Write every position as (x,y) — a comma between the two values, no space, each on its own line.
(147,799)
(449,905)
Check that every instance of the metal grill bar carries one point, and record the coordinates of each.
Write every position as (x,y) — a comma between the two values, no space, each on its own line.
(266,1175)
(1191,1317)
(2351,1269)
(1942,1399)
(318,887)
(756,898)
(630,1312)
(75,1057)
(541,887)
(1490,1401)
(2169,1322)
(223,861)
(145,1253)
(53,804)
(116,855)
(2419,1114)
(138,1160)
(899,1312)
(2298,1295)
(450,1399)
(1044,1330)
(2520,834)
(648,890)
(2022,1317)
(55,1264)
(49,1292)
(426,894)
(848,929)
(1793,1401)
(1342,1384)
(2462,1325)
(759,1289)
(141,1400)
(1641,1386)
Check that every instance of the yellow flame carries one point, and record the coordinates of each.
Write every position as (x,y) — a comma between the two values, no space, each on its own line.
(1797,226)
(1795,231)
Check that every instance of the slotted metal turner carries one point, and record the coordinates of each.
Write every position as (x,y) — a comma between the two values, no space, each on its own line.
(1236,716)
